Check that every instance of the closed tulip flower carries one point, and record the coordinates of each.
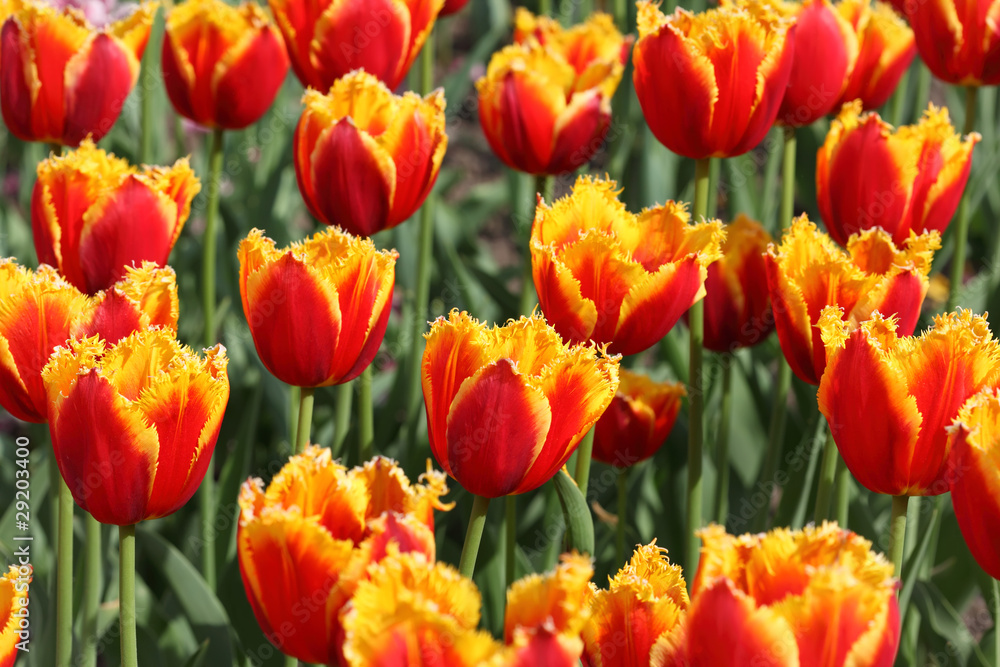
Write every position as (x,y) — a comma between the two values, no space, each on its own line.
(134,425)
(222,65)
(318,309)
(916,385)
(61,79)
(886,51)
(638,421)
(906,180)
(808,272)
(730,66)
(545,102)
(366,159)
(328,39)
(651,267)
(93,215)
(959,41)
(507,406)
(13,613)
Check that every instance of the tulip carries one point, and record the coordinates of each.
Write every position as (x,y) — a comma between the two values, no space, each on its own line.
(222,65)
(318,309)
(808,272)
(13,609)
(507,406)
(93,215)
(316,530)
(958,41)
(730,65)
(328,39)
(366,159)
(903,181)
(886,51)
(60,78)
(644,602)
(737,308)
(638,421)
(916,386)
(452,7)
(545,102)
(652,267)
(134,424)
(42,311)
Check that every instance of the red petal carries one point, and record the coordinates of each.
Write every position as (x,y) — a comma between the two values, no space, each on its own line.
(96,94)
(115,318)
(15,93)
(527,123)
(175,82)
(362,34)
(249,86)
(820,66)
(580,135)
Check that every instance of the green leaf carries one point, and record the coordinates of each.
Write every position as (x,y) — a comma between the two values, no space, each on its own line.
(198,659)
(579,522)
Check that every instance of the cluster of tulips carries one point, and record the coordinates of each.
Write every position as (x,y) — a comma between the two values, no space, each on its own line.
(339,565)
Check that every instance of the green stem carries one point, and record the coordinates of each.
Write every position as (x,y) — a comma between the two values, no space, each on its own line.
(996,620)
(897,533)
(621,15)
(473,536)
(722,442)
(842,493)
(962,229)
(146,109)
(291,662)
(544,186)
(126,595)
(788,178)
(92,585)
(623,474)
(923,86)
(366,417)
(554,527)
(544,7)
(776,433)
(304,430)
(897,103)
(294,399)
(510,544)
(715,167)
(827,475)
(342,416)
(583,457)
(64,578)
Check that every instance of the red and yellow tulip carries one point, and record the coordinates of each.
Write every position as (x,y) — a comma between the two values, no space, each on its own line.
(93,215)
(134,424)
(222,65)
(958,40)
(328,39)
(729,65)
(318,309)
(916,385)
(808,272)
(61,79)
(545,102)
(886,51)
(507,406)
(606,275)
(15,621)
(366,159)
(906,180)
(638,421)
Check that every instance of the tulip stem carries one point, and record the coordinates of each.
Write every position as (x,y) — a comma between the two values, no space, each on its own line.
(696,396)
(897,533)
(827,476)
(621,15)
(92,585)
(126,595)
(583,458)
(342,416)
(722,441)
(788,178)
(294,398)
(544,186)
(146,108)
(544,7)
(898,99)
(366,418)
(622,525)
(64,577)
(473,536)
(962,229)
(843,493)
(307,397)
(510,545)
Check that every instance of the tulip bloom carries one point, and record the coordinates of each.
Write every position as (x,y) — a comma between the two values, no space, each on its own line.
(958,41)
(93,214)
(134,425)
(366,159)
(507,406)
(737,308)
(60,78)
(730,66)
(886,51)
(638,421)
(645,601)
(13,608)
(607,275)
(903,181)
(328,39)
(545,102)
(315,530)
(808,271)
(222,65)
(915,385)
(318,309)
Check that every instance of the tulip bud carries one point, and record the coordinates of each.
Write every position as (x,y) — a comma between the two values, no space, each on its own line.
(958,41)
(886,51)
(638,421)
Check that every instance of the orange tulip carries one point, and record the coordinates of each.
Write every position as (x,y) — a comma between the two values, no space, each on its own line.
(222,65)
(366,159)
(808,272)
(645,601)
(958,40)
(41,311)
(134,425)
(606,275)
(886,51)
(907,180)
(61,79)
(306,543)
(916,386)
(93,214)
(545,102)
(638,421)
(15,621)
(329,39)
(737,308)
(507,406)
(318,309)
(729,65)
